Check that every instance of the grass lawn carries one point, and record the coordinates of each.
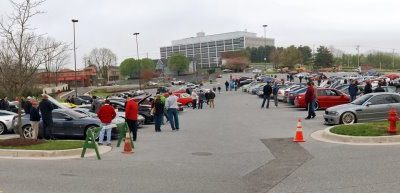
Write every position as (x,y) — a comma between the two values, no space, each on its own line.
(101,93)
(51,145)
(364,129)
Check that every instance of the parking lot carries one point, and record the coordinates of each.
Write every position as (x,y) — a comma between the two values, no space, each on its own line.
(226,149)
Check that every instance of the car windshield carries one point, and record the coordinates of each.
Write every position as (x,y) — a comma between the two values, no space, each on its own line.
(361,100)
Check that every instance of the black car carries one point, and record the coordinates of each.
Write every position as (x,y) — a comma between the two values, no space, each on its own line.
(144,109)
(67,124)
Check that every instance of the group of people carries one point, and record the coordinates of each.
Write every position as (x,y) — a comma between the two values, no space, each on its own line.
(199,97)
(45,107)
(70,99)
(353,88)
(269,90)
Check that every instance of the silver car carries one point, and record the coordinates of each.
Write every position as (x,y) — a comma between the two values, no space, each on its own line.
(369,107)
(6,119)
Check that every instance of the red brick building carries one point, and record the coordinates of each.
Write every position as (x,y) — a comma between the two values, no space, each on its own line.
(85,77)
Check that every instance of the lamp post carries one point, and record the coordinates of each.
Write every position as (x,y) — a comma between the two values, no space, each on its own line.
(265,44)
(76,84)
(137,52)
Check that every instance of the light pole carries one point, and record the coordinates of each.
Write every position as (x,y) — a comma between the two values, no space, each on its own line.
(137,52)
(265,44)
(76,85)
(358,56)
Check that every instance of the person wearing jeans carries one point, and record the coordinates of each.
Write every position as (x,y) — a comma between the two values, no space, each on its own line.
(172,109)
(106,114)
(158,106)
(34,118)
(131,116)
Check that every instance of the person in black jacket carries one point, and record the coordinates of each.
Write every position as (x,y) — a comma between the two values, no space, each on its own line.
(158,106)
(34,118)
(27,105)
(211,96)
(46,108)
(379,89)
(267,89)
(368,87)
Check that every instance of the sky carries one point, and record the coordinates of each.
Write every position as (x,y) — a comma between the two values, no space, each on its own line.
(372,24)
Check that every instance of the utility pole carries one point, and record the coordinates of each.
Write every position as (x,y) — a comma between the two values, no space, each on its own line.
(140,66)
(393,59)
(265,44)
(358,55)
(76,84)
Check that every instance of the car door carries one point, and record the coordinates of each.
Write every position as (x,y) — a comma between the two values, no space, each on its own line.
(58,123)
(322,97)
(377,109)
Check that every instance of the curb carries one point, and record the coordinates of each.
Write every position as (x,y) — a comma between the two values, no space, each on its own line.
(327,136)
(50,154)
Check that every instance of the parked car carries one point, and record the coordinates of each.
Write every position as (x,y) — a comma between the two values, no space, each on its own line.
(6,119)
(369,107)
(177,82)
(81,100)
(184,99)
(66,124)
(293,94)
(327,97)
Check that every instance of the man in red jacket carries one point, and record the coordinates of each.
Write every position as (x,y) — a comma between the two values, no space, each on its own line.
(131,116)
(310,98)
(106,114)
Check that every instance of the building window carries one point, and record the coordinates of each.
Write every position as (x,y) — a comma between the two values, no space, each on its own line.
(197,46)
(211,44)
(220,48)
(182,47)
(203,45)
(228,42)
(220,43)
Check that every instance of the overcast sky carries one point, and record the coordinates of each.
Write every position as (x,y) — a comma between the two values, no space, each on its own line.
(372,24)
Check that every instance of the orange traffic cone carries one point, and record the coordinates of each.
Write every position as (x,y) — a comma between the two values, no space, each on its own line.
(299,133)
(128,146)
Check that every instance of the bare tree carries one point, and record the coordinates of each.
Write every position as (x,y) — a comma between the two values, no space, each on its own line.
(21,50)
(56,56)
(102,58)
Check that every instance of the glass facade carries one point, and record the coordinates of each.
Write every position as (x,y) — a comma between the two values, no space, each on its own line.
(205,54)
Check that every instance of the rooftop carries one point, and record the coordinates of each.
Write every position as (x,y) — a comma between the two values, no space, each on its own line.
(201,37)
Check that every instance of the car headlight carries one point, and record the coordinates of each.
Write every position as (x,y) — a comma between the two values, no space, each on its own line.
(331,113)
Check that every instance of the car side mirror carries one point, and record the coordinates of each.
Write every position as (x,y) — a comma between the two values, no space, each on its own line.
(368,104)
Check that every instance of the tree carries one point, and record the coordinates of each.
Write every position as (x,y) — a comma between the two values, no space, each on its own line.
(147,64)
(21,51)
(178,63)
(102,58)
(276,56)
(56,56)
(291,56)
(130,67)
(323,57)
(235,60)
(306,54)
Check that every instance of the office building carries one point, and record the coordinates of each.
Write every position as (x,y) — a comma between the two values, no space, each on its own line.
(205,51)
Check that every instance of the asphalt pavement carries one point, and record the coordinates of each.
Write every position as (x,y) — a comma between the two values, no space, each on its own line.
(235,148)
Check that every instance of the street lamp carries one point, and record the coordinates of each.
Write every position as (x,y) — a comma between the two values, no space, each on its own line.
(265,44)
(76,85)
(137,52)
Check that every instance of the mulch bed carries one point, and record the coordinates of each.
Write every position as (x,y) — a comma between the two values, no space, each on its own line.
(20,142)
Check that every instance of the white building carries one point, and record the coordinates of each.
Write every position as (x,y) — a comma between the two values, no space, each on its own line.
(205,50)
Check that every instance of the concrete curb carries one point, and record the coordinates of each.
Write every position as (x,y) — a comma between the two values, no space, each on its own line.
(327,136)
(50,154)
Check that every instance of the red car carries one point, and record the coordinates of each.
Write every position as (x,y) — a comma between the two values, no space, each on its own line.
(327,97)
(184,99)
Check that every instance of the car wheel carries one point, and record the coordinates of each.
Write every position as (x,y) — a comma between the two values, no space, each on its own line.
(316,106)
(189,104)
(2,128)
(348,118)
(27,132)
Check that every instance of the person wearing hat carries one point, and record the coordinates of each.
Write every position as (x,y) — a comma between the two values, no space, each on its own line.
(27,105)
(34,118)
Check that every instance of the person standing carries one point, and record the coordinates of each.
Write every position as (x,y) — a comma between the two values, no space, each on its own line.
(96,104)
(368,87)
(275,89)
(28,105)
(172,108)
(300,78)
(207,96)
(68,100)
(226,85)
(46,108)
(309,98)
(131,116)
(158,106)
(267,90)
(194,99)
(353,89)
(34,118)
(72,100)
(211,97)
(219,88)
(4,104)
(202,97)
(379,88)
(106,114)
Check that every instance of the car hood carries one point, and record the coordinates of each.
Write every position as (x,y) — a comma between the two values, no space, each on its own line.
(344,107)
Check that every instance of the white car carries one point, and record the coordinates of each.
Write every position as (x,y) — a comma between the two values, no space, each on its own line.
(6,118)
(151,83)
(256,71)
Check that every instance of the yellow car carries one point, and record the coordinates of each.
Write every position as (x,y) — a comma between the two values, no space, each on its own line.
(69,105)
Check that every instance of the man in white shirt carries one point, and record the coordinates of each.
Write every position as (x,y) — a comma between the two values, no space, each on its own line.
(171,104)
